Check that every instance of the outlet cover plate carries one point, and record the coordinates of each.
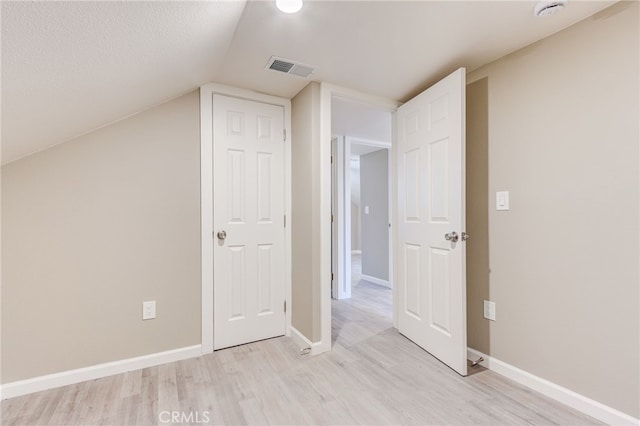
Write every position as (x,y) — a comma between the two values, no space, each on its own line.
(490,310)
(149,310)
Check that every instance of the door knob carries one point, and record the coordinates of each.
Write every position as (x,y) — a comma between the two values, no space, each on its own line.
(452,236)
(222,235)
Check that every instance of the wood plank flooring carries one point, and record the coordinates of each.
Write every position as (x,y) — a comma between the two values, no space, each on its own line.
(373,376)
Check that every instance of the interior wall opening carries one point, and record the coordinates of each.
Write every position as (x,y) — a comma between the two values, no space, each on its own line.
(362,277)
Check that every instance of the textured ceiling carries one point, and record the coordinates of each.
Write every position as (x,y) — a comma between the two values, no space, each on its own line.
(71,67)
(391,48)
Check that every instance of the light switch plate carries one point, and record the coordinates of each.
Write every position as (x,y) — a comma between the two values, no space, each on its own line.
(366,209)
(502,200)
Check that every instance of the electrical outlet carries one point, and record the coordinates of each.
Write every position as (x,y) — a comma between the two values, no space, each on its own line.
(490,310)
(149,310)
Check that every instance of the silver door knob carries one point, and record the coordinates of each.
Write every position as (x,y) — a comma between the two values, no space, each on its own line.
(465,236)
(452,236)
(221,235)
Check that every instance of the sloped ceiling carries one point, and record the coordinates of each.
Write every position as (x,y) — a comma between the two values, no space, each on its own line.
(71,67)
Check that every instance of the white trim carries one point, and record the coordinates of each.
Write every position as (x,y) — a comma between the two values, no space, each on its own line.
(206,215)
(303,343)
(335,276)
(344,216)
(370,142)
(376,280)
(206,198)
(393,184)
(64,378)
(341,226)
(566,396)
(327,91)
(341,268)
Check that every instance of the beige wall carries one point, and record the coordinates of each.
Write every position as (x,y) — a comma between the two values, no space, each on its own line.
(563,139)
(355,227)
(477,206)
(93,227)
(374,193)
(305,287)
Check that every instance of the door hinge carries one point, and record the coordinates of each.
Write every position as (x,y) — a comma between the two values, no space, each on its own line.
(285,306)
(331,218)
(285,220)
(332,159)
(284,134)
(332,276)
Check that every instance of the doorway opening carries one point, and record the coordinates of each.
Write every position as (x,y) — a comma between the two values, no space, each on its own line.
(428,217)
(362,273)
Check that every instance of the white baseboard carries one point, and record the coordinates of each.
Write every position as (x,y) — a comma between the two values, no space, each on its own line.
(304,343)
(375,280)
(64,378)
(568,397)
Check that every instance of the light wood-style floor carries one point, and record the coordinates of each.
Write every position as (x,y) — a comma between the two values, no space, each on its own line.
(373,376)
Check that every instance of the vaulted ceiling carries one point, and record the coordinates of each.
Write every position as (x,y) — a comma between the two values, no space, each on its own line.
(71,67)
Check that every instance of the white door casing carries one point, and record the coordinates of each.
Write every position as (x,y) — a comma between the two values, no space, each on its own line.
(340,236)
(334,223)
(249,206)
(431,194)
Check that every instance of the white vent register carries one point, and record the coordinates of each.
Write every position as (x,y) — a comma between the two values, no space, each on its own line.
(289,67)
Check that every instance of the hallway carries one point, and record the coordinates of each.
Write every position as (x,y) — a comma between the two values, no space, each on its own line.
(368,312)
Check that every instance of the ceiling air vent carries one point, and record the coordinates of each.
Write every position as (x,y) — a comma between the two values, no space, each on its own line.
(289,67)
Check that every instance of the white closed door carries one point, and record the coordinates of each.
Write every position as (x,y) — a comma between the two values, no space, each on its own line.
(431,216)
(248,193)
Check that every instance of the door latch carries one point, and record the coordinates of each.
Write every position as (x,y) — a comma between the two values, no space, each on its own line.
(452,236)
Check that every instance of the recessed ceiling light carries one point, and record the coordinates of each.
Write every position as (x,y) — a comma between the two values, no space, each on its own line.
(548,8)
(289,6)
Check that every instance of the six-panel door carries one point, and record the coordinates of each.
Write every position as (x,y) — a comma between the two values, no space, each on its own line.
(248,185)
(431,269)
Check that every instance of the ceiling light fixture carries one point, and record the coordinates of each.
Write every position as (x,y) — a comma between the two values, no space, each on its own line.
(289,6)
(548,8)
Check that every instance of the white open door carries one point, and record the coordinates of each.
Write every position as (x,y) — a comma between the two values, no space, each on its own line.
(248,219)
(431,255)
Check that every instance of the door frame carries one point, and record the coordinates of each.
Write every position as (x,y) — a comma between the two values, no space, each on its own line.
(206,198)
(327,92)
(339,267)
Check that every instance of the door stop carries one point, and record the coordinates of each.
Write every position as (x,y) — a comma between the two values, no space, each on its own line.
(477,362)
